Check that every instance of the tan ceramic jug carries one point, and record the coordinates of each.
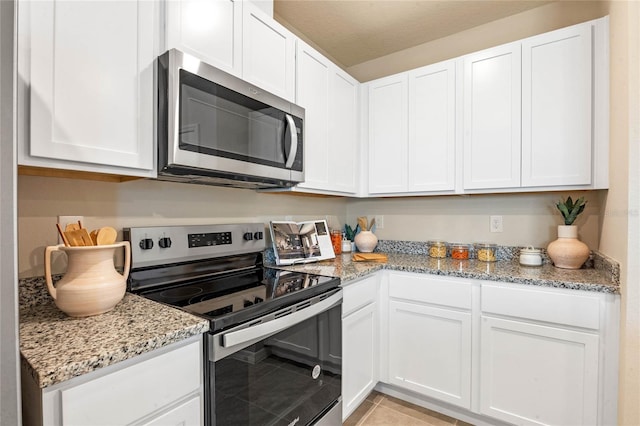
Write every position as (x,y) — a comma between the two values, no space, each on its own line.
(91,285)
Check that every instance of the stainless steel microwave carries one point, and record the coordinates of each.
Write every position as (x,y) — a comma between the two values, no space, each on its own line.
(214,128)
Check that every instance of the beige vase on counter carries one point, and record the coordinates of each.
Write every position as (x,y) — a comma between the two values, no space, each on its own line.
(366,241)
(91,285)
(568,252)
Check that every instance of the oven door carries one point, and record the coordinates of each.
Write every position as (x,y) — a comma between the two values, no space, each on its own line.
(283,369)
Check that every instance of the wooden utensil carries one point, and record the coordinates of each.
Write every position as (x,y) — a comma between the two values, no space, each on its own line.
(72,227)
(362,221)
(64,237)
(79,237)
(106,236)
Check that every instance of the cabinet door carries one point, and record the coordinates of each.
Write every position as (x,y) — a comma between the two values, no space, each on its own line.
(492,118)
(343,131)
(90,80)
(208,29)
(388,112)
(557,108)
(360,346)
(313,79)
(268,53)
(538,375)
(432,128)
(189,413)
(430,351)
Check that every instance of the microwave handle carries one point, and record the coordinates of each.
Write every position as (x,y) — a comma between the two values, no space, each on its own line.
(293,149)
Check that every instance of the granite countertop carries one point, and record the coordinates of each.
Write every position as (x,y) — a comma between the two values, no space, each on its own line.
(56,347)
(510,271)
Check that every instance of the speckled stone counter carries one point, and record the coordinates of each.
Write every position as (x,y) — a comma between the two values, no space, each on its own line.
(509,271)
(56,347)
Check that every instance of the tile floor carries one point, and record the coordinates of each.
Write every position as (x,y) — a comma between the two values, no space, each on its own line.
(383,410)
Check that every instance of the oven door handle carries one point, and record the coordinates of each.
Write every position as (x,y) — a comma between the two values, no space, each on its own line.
(266,329)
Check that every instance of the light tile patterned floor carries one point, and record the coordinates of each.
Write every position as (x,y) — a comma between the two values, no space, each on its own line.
(383,410)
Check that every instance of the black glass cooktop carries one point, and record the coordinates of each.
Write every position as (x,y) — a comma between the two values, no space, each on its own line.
(234,298)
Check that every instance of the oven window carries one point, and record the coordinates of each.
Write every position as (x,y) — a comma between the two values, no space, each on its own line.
(293,376)
(217,121)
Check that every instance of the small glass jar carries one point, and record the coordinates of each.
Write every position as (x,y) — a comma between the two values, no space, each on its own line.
(530,256)
(336,241)
(459,251)
(486,252)
(346,245)
(437,249)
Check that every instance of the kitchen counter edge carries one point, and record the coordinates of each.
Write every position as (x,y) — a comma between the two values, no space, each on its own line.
(55,347)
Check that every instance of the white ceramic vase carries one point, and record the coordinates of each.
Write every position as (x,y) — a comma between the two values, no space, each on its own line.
(366,241)
(568,252)
(91,285)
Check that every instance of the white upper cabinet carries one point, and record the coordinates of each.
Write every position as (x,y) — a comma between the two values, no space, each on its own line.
(208,29)
(492,118)
(86,95)
(388,112)
(432,109)
(330,99)
(557,98)
(268,53)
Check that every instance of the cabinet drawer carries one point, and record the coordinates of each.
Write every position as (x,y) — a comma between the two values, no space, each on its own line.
(359,294)
(444,291)
(136,391)
(573,309)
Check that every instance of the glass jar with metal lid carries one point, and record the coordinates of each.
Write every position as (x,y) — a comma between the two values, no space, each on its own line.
(486,252)
(459,251)
(437,249)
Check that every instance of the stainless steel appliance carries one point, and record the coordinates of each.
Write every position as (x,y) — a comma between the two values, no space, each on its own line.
(273,354)
(214,128)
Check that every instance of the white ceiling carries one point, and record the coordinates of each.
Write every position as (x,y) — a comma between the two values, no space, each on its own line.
(355,31)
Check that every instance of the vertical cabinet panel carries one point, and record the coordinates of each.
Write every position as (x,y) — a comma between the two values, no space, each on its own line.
(534,375)
(313,76)
(388,111)
(557,108)
(268,53)
(360,363)
(343,131)
(432,128)
(208,29)
(330,99)
(491,120)
(430,351)
(91,81)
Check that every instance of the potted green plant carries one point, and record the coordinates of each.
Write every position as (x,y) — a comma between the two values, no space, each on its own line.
(568,252)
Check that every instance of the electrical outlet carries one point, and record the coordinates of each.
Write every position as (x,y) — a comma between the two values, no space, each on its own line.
(379,221)
(496,224)
(65,220)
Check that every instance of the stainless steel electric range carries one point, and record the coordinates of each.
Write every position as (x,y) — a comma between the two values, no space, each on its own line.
(273,355)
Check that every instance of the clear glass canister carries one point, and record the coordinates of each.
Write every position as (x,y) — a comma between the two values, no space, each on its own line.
(437,249)
(459,251)
(486,252)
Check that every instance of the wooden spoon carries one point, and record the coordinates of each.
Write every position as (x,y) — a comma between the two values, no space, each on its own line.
(106,235)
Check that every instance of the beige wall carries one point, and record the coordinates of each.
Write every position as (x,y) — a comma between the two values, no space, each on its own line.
(620,225)
(528,219)
(142,203)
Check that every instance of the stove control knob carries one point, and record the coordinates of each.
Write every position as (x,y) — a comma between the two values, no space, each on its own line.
(165,242)
(247,303)
(146,244)
(258,235)
(248,236)
(258,300)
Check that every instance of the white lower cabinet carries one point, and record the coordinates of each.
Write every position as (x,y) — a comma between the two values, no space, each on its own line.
(160,387)
(482,351)
(359,342)
(430,343)
(538,375)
